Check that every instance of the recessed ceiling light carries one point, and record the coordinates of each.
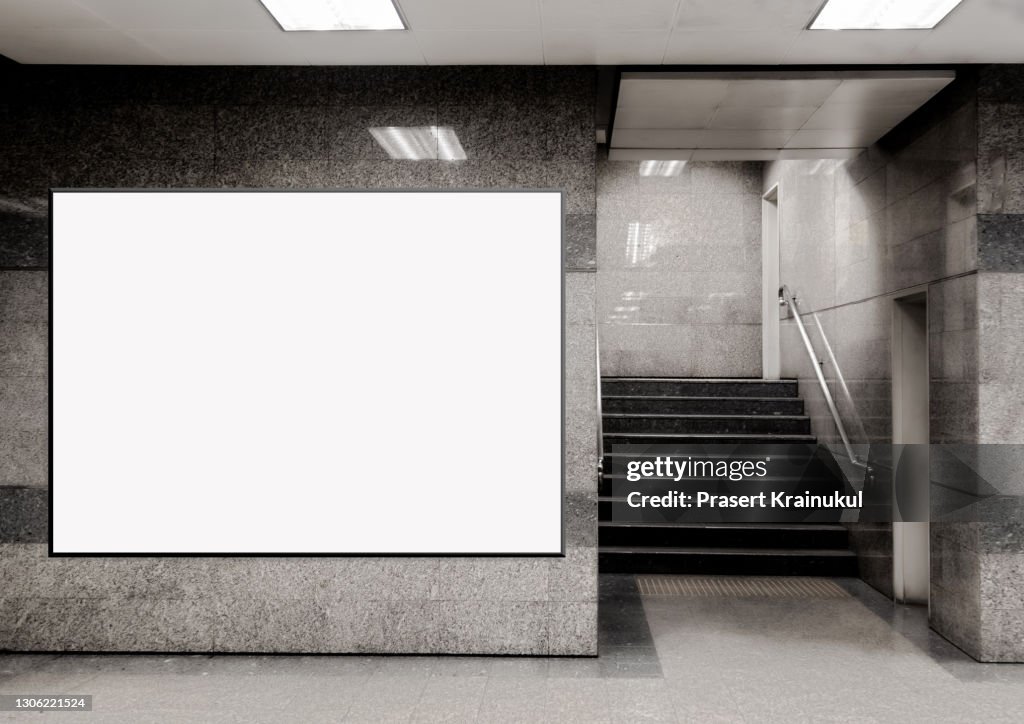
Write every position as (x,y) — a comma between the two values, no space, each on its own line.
(661,168)
(882,14)
(419,143)
(335,14)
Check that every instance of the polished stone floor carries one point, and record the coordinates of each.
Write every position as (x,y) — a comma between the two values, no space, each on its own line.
(853,658)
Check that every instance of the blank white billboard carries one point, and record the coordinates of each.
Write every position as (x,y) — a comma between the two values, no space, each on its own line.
(316,373)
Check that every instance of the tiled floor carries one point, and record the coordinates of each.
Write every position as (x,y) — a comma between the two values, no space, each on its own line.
(696,659)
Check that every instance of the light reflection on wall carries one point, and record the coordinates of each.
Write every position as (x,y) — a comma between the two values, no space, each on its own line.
(419,143)
(661,168)
(640,243)
(628,312)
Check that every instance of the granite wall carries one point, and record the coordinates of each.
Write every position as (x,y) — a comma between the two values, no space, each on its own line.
(679,283)
(286,128)
(994,547)
(935,205)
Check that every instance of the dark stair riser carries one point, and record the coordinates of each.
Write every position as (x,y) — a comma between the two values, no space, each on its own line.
(738,564)
(765,536)
(704,405)
(704,439)
(620,511)
(614,386)
(616,485)
(707,424)
(794,451)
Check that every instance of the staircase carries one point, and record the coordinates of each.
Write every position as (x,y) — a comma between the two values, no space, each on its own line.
(647,410)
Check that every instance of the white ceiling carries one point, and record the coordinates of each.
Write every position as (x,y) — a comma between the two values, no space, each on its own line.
(443,32)
(665,115)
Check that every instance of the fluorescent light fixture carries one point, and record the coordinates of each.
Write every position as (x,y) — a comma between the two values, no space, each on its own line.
(335,14)
(419,143)
(882,14)
(661,168)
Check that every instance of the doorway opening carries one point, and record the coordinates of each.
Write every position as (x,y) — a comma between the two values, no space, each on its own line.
(910,436)
(771,362)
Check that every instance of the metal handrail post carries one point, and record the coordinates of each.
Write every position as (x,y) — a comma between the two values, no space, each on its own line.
(787,299)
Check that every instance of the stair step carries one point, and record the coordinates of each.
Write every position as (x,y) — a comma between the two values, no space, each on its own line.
(762,536)
(639,411)
(690,387)
(729,551)
(645,438)
(617,510)
(714,452)
(611,484)
(666,404)
(722,561)
(736,526)
(658,423)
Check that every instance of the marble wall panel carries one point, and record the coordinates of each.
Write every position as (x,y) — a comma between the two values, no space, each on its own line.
(679,280)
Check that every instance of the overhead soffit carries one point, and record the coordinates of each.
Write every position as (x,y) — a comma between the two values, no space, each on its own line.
(670,115)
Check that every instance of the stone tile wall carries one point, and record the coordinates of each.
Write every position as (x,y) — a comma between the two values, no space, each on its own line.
(286,128)
(679,284)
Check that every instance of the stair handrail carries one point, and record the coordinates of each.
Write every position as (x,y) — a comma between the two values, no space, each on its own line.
(787,299)
(843,387)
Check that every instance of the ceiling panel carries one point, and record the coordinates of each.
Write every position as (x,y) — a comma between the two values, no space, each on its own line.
(608,14)
(813,47)
(746,14)
(589,47)
(365,47)
(761,138)
(768,93)
(709,47)
(667,92)
(106,47)
(956,39)
(455,47)
(471,14)
(62,14)
(782,117)
(183,14)
(223,47)
(693,117)
(836,116)
(888,90)
(843,138)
